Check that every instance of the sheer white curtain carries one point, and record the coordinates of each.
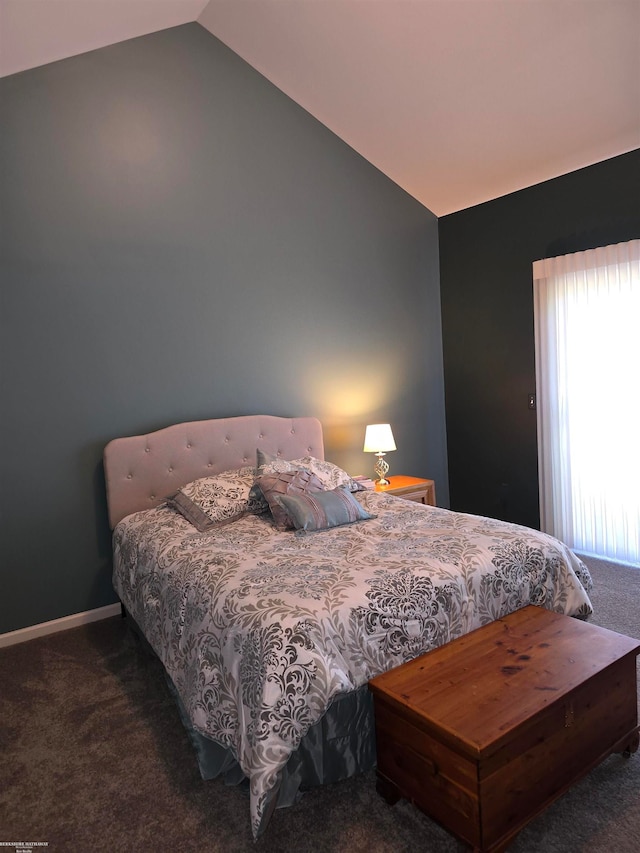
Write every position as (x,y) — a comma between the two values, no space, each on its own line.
(587,334)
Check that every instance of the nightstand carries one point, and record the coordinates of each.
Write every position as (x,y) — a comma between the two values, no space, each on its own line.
(411,488)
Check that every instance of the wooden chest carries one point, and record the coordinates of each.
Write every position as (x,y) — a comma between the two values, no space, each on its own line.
(485,732)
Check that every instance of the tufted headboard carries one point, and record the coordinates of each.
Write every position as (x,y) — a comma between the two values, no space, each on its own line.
(142,470)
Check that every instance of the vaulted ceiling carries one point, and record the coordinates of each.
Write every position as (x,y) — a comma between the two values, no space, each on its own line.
(457,101)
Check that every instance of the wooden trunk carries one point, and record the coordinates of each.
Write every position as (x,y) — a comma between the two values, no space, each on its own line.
(486,731)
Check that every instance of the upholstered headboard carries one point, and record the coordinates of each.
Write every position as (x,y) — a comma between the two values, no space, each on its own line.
(142,470)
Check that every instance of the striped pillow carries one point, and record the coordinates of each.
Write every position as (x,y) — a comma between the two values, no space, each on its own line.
(322,510)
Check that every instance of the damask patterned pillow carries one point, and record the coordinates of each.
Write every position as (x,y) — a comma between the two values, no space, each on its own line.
(213,501)
(329,474)
(314,511)
(286,483)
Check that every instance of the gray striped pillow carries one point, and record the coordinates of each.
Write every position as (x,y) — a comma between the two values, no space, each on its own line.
(322,510)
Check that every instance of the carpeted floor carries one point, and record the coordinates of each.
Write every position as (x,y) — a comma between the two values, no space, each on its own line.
(94,758)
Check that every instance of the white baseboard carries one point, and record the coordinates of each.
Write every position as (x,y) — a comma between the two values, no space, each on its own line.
(73,621)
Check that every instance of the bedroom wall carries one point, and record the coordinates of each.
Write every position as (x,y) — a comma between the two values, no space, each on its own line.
(486,253)
(182,241)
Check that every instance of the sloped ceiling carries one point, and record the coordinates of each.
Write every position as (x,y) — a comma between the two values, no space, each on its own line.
(457,101)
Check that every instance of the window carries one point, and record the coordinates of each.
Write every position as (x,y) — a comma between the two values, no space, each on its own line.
(587,336)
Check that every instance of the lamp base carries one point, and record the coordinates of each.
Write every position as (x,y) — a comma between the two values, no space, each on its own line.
(381,468)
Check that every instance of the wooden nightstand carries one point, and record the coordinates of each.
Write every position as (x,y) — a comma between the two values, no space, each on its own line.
(411,488)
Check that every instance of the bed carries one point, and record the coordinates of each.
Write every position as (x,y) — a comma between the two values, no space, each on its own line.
(270,609)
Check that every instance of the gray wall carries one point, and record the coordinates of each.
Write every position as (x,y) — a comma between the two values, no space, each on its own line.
(486,257)
(182,241)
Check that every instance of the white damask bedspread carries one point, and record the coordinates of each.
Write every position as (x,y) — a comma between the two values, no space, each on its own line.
(260,629)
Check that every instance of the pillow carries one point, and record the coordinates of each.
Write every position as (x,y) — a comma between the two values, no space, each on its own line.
(323,510)
(214,501)
(329,474)
(263,458)
(286,483)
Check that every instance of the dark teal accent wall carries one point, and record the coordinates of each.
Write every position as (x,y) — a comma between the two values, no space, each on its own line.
(182,241)
(486,256)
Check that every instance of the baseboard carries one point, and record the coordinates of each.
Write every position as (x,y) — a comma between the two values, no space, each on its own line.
(73,621)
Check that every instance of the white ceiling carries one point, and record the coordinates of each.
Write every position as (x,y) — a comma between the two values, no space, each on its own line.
(457,101)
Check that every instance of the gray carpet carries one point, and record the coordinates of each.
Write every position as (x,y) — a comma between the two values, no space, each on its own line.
(94,758)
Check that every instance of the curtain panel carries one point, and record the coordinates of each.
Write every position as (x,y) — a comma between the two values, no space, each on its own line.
(587,349)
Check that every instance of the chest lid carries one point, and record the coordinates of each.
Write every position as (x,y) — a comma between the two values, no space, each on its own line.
(477,691)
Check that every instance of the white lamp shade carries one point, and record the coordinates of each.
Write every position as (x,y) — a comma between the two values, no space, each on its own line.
(378,438)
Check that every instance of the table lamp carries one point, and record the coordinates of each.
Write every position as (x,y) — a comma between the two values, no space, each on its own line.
(378,439)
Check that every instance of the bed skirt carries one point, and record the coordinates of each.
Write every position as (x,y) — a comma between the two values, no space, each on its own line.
(340,745)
